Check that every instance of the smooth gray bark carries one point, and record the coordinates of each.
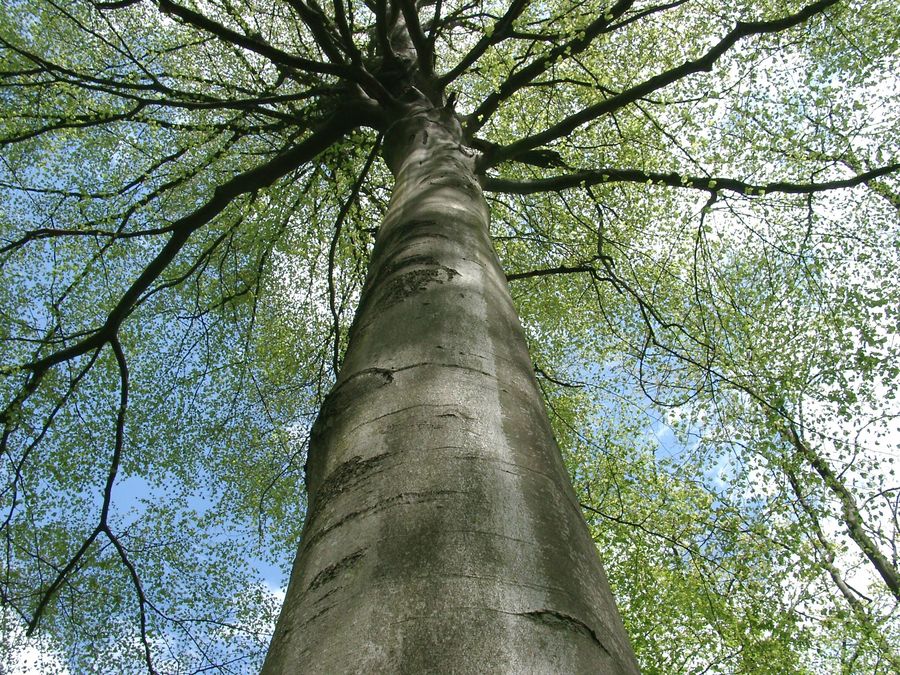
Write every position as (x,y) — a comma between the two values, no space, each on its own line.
(443,534)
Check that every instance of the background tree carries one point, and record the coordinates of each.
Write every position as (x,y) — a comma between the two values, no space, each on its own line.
(696,209)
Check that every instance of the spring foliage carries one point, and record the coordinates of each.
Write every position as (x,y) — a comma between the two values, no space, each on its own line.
(696,204)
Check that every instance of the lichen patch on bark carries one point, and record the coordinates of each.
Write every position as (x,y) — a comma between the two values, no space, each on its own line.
(417,280)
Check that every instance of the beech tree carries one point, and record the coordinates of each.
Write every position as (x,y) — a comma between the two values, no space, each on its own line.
(445,297)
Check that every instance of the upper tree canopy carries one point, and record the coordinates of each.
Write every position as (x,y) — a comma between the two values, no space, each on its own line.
(696,204)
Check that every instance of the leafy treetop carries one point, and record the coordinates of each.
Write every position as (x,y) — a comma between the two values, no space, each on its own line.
(697,207)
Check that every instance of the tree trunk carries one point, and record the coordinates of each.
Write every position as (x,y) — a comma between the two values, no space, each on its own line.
(443,534)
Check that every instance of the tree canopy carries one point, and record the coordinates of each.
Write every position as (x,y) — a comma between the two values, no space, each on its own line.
(696,204)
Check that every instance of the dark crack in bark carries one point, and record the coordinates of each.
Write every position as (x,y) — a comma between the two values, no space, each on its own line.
(332,572)
(420,497)
(560,621)
(347,475)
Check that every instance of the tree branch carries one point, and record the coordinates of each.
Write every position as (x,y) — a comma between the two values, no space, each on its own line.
(332,251)
(345,32)
(182,229)
(826,551)
(704,63)
(708,184)
(540,65)
(254,44)
(102,526)
(498,34)
(530,274)
(851,516)
(424,52)
(322,30)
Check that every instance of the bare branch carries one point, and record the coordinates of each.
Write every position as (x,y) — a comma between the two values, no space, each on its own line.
(424,52)
(707,184)
(345,32)
(121,4)
(551,271)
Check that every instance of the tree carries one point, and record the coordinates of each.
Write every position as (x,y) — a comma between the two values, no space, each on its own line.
(199,197)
